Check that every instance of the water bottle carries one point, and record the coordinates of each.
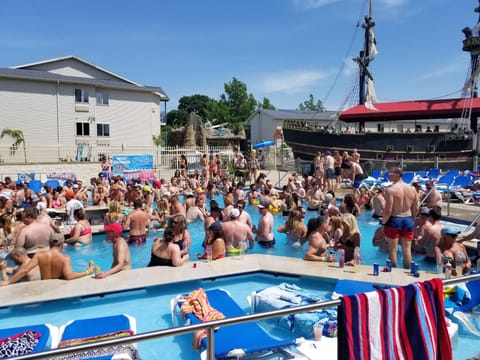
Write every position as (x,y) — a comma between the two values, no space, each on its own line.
(341,257)
(448,270)
(439,263)
(356,255)
(459,261)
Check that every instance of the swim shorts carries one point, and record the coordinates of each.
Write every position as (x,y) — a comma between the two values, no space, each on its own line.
(399,226)
(137,239)
(266,243)
(330,173)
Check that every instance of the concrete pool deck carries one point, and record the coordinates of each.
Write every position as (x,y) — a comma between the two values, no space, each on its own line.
(49,290)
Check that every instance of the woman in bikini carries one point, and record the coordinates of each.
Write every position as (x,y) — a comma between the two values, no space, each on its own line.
(55,201)
(81,233)
(182,235)
(215,239)
(165,252)
(114,214)
(350,238)
(294,228)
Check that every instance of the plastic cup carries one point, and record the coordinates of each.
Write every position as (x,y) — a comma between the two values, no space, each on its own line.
(317,331)
(208,251)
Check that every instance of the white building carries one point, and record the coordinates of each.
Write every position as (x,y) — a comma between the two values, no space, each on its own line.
(70,101)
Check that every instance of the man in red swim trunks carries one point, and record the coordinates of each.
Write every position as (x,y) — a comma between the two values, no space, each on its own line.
(399,217)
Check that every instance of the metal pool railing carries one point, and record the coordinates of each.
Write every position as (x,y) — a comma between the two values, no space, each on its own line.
(210,326)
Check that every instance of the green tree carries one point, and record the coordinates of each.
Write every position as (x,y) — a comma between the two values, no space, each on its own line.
(311,105)
(265,104)
(177,118)
(18,138)
(199,104)
(239,103)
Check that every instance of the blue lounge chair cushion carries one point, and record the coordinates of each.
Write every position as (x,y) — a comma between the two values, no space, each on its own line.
(48,335)
(249,337)
(85,328)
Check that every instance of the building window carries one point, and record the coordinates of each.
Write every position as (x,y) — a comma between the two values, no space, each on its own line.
(103,129)
(81,96)
(102,98)
(83,129)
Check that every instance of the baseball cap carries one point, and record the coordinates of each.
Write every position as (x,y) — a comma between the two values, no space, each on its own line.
(263,205)
(116,228)
(234,213)
(5,195)
(216,226)
(75,186)
(424,210)
(147,188)
(450,231)
(34,197)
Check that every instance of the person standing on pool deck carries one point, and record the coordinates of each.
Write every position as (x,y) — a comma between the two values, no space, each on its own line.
(121,252)
(138,221)
(399,217)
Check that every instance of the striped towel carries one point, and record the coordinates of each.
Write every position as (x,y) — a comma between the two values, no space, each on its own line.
(197,303)
(397,323)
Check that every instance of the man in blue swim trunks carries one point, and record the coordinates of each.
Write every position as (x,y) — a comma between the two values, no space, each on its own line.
(399,217)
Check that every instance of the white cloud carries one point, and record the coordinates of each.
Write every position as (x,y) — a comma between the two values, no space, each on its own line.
(290,81)
(458,66)
(393,3)
(311,4)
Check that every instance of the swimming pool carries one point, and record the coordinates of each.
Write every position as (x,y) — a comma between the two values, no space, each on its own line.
(100,250)
(151,308)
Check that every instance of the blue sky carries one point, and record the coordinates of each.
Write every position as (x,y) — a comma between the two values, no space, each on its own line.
(281,49)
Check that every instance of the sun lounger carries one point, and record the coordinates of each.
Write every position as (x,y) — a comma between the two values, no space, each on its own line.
(27,339)
(236,341)
(84,331)
(288,295)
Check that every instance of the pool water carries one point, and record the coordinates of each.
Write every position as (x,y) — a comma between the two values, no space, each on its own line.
(151,308)
(101,251)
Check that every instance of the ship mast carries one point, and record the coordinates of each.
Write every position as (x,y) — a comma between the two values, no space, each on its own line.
(471,44)
(366,56)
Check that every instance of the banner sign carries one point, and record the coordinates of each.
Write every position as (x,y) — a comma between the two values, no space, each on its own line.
(133,166)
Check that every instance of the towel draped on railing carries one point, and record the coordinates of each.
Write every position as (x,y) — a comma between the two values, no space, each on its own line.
(397,323)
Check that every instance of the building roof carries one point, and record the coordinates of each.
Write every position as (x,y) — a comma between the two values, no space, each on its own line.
(295,115)
(23,72)
(413,110)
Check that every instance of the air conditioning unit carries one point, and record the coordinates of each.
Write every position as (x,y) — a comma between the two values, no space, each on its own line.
(379,156)
(410,148)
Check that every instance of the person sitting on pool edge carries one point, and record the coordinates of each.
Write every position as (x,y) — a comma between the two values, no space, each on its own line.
(53,264)
(453,251)
(165,252)
(121,252)
(215,240)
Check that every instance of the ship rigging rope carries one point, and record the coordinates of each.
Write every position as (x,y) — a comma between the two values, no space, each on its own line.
(349,49)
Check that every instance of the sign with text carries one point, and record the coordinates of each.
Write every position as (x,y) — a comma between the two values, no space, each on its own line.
(133,166)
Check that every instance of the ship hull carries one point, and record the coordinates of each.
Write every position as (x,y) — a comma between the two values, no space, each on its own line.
(414,151)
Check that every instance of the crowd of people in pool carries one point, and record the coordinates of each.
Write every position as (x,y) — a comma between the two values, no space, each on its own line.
(29,228)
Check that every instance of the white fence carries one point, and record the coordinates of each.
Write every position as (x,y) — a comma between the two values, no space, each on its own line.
(163,157)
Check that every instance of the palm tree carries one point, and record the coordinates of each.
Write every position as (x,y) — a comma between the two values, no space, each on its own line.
(18,138)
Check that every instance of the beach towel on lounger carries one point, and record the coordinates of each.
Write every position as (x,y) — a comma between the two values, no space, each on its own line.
(18,344)
(398,323)
(197,303)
